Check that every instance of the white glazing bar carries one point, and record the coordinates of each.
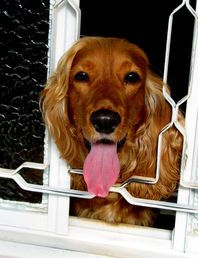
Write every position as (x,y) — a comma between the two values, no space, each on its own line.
(65,29)
(185,193)
(192,222)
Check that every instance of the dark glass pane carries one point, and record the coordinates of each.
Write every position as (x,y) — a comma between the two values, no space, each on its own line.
(24,28)
(145,23)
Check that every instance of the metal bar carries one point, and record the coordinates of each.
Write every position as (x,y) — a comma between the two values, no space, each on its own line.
(8,172)
(168,42)
(154,204)
(175,106)
(14,174)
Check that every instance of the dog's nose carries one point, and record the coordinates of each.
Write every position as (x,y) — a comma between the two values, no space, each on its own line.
(105,121)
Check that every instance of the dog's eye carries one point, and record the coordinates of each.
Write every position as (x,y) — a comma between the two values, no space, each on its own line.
(81,76)
(131,78)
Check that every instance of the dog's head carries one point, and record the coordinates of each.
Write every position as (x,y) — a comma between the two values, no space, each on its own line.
(107,89)
(98,102)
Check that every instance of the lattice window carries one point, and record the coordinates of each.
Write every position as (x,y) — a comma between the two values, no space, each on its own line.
(72,233)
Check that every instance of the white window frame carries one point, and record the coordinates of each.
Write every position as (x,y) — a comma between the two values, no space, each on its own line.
(66,18)
(53,233)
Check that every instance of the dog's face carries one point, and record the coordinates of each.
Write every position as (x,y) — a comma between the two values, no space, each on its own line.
(106,104)
(107,91)
(105,110)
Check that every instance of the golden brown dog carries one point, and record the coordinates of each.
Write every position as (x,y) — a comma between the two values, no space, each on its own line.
(105,109)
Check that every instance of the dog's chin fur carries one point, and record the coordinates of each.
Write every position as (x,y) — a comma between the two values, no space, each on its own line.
(114,210)
(67,105)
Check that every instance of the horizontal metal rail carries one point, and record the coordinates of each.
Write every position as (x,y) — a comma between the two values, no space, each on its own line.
(119,188)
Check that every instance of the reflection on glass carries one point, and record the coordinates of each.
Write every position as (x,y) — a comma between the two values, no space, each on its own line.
(23,70)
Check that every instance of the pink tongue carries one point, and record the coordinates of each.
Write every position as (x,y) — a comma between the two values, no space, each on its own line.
(101,168)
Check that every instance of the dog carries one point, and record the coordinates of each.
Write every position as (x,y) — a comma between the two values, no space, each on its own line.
(105,109)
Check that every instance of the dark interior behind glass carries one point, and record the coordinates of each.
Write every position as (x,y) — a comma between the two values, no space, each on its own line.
(23,69)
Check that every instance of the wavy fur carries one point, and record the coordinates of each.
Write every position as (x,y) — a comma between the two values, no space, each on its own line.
(67,105)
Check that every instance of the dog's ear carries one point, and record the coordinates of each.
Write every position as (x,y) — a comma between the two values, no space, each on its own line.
(158,116)
(54,105)
(157,106)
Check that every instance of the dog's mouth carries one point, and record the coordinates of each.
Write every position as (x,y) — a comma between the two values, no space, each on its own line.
(120,143)
(102,167)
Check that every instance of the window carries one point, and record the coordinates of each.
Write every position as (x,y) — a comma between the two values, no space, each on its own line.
(46,222)
(20,212)
(24,39)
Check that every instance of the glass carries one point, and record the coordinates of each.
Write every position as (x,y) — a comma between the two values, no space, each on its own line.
(23,70)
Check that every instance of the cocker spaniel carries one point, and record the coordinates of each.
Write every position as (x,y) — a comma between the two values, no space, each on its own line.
(105,109)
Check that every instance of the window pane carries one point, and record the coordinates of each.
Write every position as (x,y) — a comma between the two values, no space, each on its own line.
(23,69)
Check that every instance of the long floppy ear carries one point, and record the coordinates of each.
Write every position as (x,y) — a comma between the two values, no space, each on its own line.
(158,116)
(54,105)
